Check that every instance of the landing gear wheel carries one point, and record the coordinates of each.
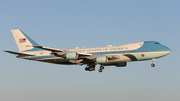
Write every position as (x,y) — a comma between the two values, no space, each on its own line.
(91,69)
(86,69)
(153,65)
(101,67)
(100,70)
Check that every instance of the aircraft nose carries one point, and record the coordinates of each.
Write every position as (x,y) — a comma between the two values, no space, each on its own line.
(168,50)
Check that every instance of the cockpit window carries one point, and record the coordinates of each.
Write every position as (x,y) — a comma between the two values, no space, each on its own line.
(157,43)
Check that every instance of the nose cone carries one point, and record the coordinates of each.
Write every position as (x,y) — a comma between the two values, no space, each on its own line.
(167,50)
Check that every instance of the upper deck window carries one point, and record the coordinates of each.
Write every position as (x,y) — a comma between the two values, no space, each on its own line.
(157,43)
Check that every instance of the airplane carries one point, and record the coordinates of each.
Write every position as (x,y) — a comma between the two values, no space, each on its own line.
(104,56)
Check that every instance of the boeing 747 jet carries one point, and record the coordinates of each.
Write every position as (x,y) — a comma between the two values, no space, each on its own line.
(104,56)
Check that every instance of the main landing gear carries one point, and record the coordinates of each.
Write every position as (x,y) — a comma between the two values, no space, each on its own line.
(101,68)
(92,68)
(153,65)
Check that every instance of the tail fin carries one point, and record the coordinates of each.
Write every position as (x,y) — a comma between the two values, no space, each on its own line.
(24,42)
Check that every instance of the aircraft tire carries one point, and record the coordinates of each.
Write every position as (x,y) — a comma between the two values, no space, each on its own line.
(101,67)
(100,70)
(86,69)
(153,65)
(90,69)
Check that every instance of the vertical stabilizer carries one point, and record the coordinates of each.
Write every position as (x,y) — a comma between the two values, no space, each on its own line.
(24,42)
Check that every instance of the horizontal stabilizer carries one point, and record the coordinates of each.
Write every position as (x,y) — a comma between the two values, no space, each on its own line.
(49,49)
(18,53)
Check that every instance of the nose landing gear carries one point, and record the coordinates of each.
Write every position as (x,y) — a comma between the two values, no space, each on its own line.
(153,65)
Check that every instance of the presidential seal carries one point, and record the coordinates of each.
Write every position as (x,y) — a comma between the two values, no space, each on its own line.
(142,55)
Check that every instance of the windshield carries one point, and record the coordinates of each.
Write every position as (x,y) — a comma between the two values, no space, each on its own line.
(157,43)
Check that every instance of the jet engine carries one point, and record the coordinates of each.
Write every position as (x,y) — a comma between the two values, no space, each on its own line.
(102,59)
(121,64)
(72,55)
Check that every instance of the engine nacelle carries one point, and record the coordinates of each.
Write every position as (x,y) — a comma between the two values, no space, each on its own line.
(72,55)
(102,59)
(121,64)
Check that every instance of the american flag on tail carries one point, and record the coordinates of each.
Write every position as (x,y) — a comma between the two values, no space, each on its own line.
(22,40)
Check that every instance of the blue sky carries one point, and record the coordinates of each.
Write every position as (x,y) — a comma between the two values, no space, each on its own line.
(84,23)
